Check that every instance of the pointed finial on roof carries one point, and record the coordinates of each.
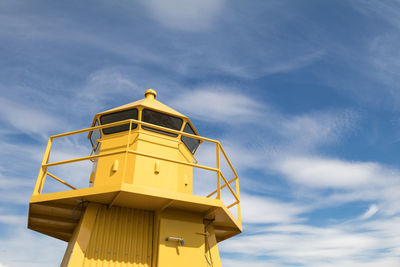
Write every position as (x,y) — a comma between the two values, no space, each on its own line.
(150,94)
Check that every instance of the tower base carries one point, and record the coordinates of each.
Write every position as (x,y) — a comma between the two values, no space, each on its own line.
(120,236)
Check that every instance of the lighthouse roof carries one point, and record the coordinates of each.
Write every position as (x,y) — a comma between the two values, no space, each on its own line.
(148,102)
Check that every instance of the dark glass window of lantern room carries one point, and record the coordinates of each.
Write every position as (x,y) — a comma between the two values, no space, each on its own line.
(191,143)
(161,119)
(94,136)
(119,116)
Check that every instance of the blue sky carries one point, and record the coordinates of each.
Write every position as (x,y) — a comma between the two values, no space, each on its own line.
(304,96)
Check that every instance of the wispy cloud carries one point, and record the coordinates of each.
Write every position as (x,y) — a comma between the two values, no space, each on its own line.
(105,83)
(222,105)
(235,107)
(299,244)
(331,182)
(26,118)
(102,89)
(372,210)
(325,173)
(12,219)
(183,15)
(374,61)
(8,186)
(385,59)
(277,65)
(269,135)
(317,128)
(388,10)
(257,209)
(19,239)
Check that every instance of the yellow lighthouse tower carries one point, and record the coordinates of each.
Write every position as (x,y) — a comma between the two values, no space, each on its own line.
(139,208)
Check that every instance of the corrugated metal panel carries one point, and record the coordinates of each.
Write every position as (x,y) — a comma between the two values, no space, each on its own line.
(121,237)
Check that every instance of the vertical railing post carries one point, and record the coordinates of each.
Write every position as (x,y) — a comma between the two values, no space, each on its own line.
(126,151)
(42,172)
(238,195)
(218,172)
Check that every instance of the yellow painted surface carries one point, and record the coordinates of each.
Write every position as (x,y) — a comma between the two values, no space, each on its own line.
(188,227)
(148,102)
(105,173)
(112,237)
(140,170)
(169,176)
(75,253)
(121,237)
(212,252)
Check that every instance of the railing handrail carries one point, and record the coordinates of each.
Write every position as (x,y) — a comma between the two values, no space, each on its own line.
(154,126)
(45,164)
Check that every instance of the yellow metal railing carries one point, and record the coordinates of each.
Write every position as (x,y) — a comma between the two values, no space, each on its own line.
(43,173)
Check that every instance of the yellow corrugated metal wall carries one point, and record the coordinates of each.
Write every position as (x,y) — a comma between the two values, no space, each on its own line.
(121,237)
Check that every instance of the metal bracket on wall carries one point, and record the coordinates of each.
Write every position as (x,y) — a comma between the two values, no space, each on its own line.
(177,239)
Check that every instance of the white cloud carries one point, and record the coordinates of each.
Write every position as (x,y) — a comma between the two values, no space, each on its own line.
(257,209)
(295,63)
(388,10)
(26,118)
(186,15)
(381,55)
(311,129)
(22,198)
(8,187)
(219,104)
(11,182)
(330,173)
(372,210)
(21,179)
(103,87)
(229,262)
(275,65)
(270,136)
(385,61)
(303,246)
(264,123)
(351,244)
(333,182)
(384,261)
(24,247)
(12,219)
